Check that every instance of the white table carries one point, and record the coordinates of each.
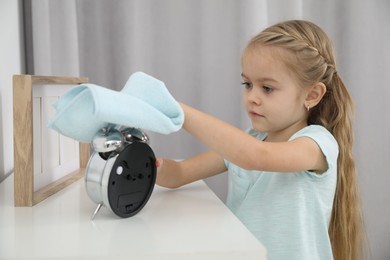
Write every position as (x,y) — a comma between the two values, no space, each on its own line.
(186,223)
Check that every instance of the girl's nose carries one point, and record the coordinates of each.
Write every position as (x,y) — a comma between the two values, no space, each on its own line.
(253,97)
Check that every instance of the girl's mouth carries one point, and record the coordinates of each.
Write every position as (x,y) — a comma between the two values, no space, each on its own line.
(254,114)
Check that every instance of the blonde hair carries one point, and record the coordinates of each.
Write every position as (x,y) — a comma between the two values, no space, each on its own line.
(312,60)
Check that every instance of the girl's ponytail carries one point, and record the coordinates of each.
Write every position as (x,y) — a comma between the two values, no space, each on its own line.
(346,224)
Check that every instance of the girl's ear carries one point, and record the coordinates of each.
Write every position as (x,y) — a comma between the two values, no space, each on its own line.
(315,94)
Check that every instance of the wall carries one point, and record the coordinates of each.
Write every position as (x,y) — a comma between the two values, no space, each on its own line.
(10,63)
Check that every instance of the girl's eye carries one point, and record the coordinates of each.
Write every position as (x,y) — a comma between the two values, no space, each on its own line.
(247,85)
(267,89)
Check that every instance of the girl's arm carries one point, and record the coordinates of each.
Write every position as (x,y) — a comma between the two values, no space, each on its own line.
(250,153)
(173,174)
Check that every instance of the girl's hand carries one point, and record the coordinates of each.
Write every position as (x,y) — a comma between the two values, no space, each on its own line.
(168,176)
(159,163)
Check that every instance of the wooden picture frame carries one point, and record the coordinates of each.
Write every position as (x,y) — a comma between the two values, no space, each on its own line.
(24,194)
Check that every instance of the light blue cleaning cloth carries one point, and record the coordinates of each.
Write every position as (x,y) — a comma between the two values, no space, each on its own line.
(144,102)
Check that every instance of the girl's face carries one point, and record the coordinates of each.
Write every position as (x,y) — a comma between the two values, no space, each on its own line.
(273,99)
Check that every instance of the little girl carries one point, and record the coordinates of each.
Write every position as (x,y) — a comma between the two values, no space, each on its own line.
(292,178)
